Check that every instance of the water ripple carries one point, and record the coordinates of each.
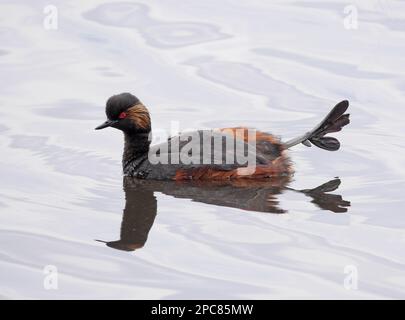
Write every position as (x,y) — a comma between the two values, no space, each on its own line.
(156,33)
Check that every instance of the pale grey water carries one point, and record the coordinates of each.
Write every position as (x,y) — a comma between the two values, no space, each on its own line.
(278,66)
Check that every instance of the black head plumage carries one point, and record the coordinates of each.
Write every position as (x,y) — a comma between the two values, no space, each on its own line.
(119,103)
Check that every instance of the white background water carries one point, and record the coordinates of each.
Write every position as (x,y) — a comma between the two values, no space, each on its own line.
(278,66)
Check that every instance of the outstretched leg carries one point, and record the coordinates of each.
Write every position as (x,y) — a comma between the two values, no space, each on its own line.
(333,122)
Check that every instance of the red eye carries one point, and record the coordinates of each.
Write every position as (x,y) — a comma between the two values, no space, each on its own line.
(122,115)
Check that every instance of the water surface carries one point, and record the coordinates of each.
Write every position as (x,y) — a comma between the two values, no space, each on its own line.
(277,66)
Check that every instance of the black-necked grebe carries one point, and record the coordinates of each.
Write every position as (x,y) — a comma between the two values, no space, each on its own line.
(227,153)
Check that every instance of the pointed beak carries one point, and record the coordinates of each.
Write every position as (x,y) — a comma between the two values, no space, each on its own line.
(106,124)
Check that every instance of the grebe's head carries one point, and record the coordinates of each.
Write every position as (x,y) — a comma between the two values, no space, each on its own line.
(125,112)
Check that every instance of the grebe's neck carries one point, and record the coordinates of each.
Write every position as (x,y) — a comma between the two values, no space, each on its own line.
(135,150)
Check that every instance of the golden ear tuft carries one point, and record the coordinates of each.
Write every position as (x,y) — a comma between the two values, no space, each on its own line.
(140,116)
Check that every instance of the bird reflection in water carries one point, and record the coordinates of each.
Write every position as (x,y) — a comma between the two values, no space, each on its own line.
(252,195)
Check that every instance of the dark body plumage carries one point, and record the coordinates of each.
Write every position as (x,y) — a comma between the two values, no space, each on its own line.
(185,165)
(220,154)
